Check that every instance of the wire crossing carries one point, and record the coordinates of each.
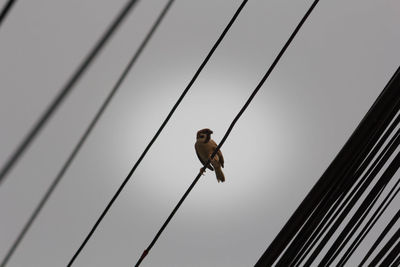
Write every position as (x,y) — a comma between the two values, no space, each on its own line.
(85,135)
(157,133)
(255,91)
(65,90)
(6,9)
(355,180)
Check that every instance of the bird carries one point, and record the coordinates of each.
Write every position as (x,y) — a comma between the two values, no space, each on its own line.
(204,147)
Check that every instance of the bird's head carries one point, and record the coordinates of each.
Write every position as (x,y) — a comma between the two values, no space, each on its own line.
(204,135)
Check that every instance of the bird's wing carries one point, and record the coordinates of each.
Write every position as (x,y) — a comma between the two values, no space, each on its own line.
(219,153)
(221,158)
(203,162)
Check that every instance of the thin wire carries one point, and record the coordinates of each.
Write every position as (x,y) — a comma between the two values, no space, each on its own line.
(353,152)
(381,236)
(385,248)
(6,9)
(85,135)
(157,134)
(357,225)
(392,254)
(386,176)
(321,229)
(357,190)
(396,263)
(65,90)
(370,224)
(260,84)
(360,191)
(348,160)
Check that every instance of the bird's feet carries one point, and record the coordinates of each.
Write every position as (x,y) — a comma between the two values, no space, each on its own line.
(202,170)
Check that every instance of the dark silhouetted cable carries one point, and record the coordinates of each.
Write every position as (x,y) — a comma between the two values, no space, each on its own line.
(371,222)
(359,190)
(391,257)
(379,161)
(365,204)
(65,90)
(344,172)
(6,9)
(385,250)
(381,236)
(85,135)
(255,91)
(386,176)
(158,132)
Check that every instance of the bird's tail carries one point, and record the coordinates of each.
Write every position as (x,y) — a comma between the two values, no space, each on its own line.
(220,175)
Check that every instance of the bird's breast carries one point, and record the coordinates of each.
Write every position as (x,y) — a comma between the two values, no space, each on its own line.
(204,149)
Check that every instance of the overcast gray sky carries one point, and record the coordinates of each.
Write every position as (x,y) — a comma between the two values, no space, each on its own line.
(325,83)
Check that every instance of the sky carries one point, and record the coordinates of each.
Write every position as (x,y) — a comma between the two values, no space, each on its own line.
(324,84)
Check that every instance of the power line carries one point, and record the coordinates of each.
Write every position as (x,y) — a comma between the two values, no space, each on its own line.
(65,90)
(386,176)
(385,249)
(157,133)
(324,224)
(381,236)
(375,167)
(85,135)
(370,224)
(255,91)
(395,252)
(340,176)
(6,9)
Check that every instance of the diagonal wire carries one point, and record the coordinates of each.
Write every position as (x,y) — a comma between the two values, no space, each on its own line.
(51,109)
(386,176)
(397,261)
(324,225)
(6,9)
(356,226)
(385,248)
(360,189)
(260,84)
(85,135)
(343,167)
(370,224)
(157,133)
(393,253)
(381,236)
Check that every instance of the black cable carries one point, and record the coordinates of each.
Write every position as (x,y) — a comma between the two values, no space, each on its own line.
(347,160)
(359,221)
(65,90)
(360,191)
(324,225)
(385,249)
(381,236)
(157,133)
(393,253)
(6,9)
(396,263)
(255,91)
(316,235)
(370,224)
(352,197)
(343,167)
(386,176)
(85,135)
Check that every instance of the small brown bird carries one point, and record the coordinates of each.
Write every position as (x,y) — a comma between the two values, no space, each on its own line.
(205,146)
